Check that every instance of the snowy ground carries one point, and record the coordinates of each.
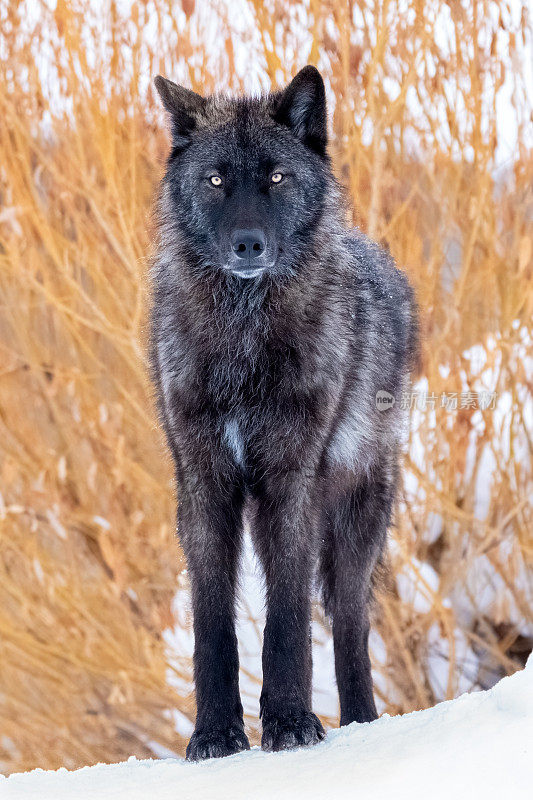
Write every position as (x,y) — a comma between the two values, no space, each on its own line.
(478,746)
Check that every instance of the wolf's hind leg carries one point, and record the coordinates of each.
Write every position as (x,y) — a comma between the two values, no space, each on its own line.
(355,526)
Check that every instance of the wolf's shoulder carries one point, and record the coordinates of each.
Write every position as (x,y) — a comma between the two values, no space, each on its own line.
(383,293)
(372,266)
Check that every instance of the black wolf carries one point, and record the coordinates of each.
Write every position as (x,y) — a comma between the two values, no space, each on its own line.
(274,328)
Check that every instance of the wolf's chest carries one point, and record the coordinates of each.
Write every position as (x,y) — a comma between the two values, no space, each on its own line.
(233,440)
(250,376)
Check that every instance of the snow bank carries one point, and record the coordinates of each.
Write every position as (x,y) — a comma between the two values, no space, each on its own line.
(478,746)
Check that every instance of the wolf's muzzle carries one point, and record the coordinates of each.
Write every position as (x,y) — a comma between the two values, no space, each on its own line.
(248,252)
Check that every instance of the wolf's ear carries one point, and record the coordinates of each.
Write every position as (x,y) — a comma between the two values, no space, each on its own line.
(301,106)
(182,105)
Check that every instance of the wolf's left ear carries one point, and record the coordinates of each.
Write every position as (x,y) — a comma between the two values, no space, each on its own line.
(182,105)
(301,106)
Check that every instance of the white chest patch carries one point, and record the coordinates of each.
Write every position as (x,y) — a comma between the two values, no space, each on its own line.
(233,439)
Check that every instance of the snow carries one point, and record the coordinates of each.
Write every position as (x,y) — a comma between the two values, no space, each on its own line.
(479,745)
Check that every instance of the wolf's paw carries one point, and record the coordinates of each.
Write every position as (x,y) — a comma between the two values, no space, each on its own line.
(295,729)
(209,743)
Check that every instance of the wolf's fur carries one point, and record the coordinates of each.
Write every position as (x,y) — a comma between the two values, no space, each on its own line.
(267,391)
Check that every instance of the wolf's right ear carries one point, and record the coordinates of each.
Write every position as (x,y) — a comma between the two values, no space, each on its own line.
(182,105)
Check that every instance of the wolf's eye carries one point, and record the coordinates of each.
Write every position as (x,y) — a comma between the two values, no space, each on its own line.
(276,177)
(216,180)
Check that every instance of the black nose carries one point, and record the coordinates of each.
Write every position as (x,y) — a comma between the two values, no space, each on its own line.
(248,243)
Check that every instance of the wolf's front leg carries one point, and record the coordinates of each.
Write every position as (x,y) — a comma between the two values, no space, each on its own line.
(285,540)
(209,526)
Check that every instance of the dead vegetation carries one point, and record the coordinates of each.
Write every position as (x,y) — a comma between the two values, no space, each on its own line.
(430,135)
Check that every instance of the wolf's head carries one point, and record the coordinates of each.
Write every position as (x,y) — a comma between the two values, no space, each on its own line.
(247,177)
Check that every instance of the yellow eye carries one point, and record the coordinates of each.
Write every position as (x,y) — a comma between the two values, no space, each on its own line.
(216,180)
(277,177)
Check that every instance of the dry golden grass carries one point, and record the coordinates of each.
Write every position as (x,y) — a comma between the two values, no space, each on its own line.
(88,561)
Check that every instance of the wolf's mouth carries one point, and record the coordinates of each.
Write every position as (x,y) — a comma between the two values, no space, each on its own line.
(248,273)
